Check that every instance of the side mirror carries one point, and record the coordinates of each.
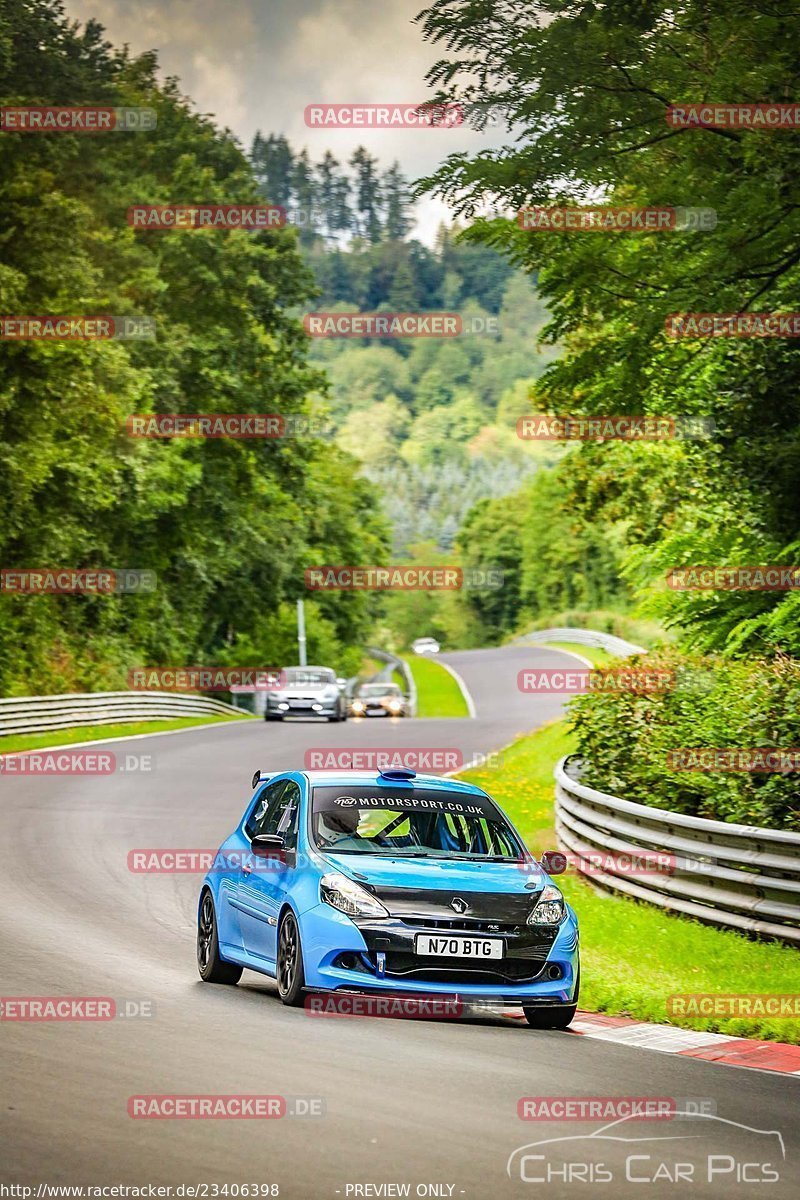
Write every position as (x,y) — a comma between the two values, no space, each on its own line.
(554,862)
(341,682)
(269,845)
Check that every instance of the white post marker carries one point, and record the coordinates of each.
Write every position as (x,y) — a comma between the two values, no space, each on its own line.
(301,633)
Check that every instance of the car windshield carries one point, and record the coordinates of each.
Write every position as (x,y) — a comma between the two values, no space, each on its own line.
(307,677)
(411,822)
(379,689)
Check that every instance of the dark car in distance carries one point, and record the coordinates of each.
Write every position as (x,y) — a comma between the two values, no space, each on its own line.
(378,700)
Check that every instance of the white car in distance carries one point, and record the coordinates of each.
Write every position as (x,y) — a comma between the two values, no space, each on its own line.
(425,645)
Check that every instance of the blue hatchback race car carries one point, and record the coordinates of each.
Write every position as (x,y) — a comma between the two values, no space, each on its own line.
(388,883)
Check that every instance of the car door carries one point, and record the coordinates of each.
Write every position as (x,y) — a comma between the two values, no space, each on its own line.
(234,852)
(245,899)
(264,882)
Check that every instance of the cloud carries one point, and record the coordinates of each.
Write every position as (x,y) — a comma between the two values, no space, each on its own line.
(256,65)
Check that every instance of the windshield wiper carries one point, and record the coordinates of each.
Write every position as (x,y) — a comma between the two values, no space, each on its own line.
(467,857)
(377,852)
(405,853)
(431,854)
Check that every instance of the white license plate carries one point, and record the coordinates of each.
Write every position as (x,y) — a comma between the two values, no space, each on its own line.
(458,945)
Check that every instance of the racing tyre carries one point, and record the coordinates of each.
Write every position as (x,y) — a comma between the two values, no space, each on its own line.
(291,977)
(550,1018)
(211,967)
(553,1018)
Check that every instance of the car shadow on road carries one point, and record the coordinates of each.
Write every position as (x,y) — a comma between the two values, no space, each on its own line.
(252,995)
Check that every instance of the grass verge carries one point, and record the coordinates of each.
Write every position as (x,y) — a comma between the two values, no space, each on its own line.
(438,694)
(595,654)
(634,955)
(102,733)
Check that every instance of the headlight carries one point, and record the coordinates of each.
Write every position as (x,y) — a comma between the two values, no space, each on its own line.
(351,899)
(549,909)
(358,706)
(395,705)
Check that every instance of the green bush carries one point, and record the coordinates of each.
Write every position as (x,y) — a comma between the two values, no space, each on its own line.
(625,738)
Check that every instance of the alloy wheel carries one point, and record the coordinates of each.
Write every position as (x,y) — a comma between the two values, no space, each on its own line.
(287,954)
(205,932)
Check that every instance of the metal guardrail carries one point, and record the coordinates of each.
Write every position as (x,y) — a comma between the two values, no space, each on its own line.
(393,663)
(38,714)
(584,637)
(742,876)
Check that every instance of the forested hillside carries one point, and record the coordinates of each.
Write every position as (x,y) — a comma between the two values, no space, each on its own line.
(227,526)
(431,420)
(602,131)
(425,462)
(590,101)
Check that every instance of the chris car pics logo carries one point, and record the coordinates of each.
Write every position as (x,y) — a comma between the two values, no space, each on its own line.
(697,1148)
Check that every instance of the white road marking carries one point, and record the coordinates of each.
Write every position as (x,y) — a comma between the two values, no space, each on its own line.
(572,653)
(652,1037)
(465,692)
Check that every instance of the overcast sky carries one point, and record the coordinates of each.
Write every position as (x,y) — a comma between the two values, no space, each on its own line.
(256,64)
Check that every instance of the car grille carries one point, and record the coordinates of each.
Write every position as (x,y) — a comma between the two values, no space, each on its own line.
(465,970)
(432,905)
(461,925)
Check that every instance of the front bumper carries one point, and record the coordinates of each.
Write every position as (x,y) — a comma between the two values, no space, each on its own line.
(327,708)
(375,711)
(539,964)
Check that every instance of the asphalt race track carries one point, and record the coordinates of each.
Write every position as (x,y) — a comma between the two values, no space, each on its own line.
(398,1102)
